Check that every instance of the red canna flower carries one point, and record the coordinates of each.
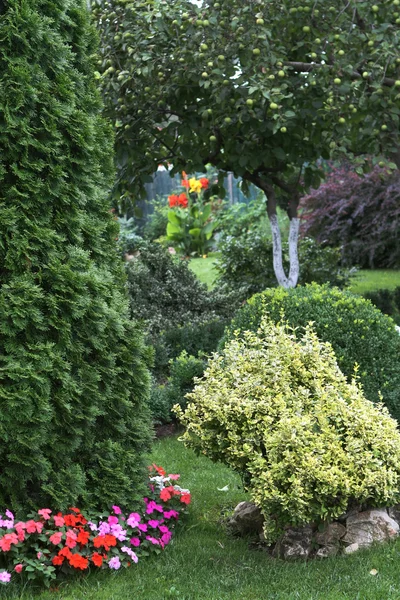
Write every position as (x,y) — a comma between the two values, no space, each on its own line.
(182,200)
(204,182)
(173,200)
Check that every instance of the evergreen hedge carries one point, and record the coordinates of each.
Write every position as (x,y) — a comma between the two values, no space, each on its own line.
(73,375)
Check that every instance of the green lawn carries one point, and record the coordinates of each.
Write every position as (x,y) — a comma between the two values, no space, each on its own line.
(368,281)
(205,563)
(204,268)
(364,280)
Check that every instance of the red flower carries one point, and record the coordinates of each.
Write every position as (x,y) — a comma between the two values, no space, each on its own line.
(75,510)
(57,560)
(70,520)
(159,470)
(173,200)
(182,200)
(204,182)
(83,537)
(79,562)
(185,183)
(105,540)
(18,568)
(165,495)
(97,559)
(186,498)
(65,552)
(71,539)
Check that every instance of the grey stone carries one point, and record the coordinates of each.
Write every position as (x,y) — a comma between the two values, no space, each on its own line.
(331,535)
(370,526)
(295,543)
(247,518)
(326,551)
(352,548)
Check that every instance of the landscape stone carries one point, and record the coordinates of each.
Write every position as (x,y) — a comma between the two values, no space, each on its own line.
(247,518)
(294,544)
(352,548)
(331,535)
(370,526)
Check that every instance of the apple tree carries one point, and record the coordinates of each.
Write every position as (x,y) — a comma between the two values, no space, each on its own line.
(262,89)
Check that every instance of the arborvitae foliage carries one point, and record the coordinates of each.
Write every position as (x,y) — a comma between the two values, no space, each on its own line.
(73,376)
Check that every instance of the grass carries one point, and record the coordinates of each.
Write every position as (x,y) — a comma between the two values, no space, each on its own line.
(368,281)
(205,563)
(204,269)
(363,281)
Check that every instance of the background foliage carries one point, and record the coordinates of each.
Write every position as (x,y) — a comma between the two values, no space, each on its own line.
(359,333)
(361,215)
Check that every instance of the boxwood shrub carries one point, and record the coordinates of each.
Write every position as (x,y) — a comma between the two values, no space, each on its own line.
(275,406)
(359,333)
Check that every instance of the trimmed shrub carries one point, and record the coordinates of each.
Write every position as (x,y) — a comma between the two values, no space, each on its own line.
(388,301)
(359,333)
(246,263)
(276,407)
(361,215)
(73,377)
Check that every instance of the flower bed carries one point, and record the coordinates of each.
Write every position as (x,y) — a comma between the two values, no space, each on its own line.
(49,543)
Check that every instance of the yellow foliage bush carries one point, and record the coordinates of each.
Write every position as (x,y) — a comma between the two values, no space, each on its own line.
(279,410)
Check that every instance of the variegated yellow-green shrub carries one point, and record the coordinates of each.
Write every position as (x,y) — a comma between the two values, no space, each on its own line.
(279,410)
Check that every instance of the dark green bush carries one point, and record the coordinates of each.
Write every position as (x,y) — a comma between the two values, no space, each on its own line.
(73,379)
(246,263)
(359,333)
(178,311)
(388,301)
(183,370)
(156,223)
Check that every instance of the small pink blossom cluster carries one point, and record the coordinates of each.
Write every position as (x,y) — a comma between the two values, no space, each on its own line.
(43,543)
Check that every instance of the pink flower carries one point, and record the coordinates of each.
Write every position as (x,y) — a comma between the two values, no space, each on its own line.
(33,526)
(56,538)
(71,539)
(133,518)
(117,510)
(18,568)
(5,577)
(59,521)
(163,529)
(142,527)
(114,563)
(45,513)
(169,514)
(174,477)
(153,540)
(7,540)
(135,542)
(153,523)
(9,515)
(39,555)
(152,506)
(113,520)
(166,537)
(130,553)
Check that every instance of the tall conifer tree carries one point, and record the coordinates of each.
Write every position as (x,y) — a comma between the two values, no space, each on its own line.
(73,375)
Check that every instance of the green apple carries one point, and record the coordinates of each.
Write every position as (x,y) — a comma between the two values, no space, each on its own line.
(281,73)
(337,81)
(342,120)
(397,83)
(228,120)
(283,129)
(365,75)
(375,8)
(221,57)
(260,21)
(256,51)
(384,127)
(249,102)
(273,106)
(203,47)
(204,75)
(213,138)
(306,29)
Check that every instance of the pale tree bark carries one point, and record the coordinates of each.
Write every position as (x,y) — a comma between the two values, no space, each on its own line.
(286,281)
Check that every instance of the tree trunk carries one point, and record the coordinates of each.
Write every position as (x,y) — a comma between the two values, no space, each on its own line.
(294,271)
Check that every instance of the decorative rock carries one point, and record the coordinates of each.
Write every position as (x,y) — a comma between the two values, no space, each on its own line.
(327,551)
(331,535)
(370,526)
(246,519)
(352,548)
(295,543)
